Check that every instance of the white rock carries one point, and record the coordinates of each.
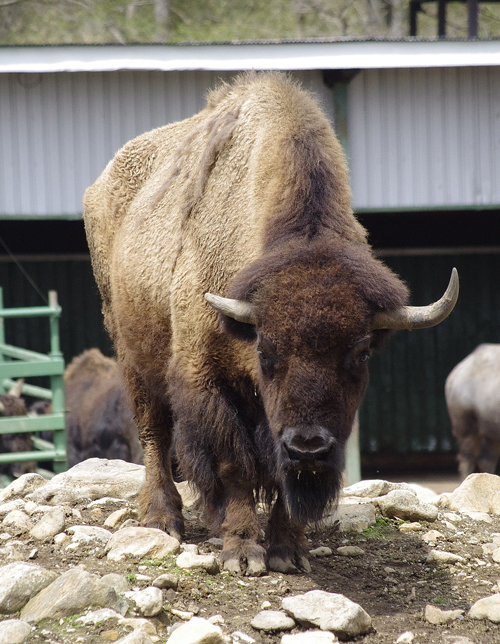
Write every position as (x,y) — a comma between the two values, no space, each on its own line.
(16,504)
(322,551)
(190,547)
(188,494)
(116,581)
(414,526)
(310,637)
(449,638)
(476,493)
(435,615)
(328,611)
(197,631)
(14,631)
(18,521)
(136,637)
(92,479)
(265,604)
(351,518)
(241,638)
(148,601)
(424,494)
(479,516)
(139,543)
(61,538)
(74,591)
(22,486)
(99,616)
(50,524)
(88,535)
(20,582)
(406,638)
(167,580)
(495,555)
(404,504)
(218,620)
(272,620)
(453,516)
(432,536)
(439,556)
(350,551)
(139,624)
(487,608)
(119,516)
(370,489)
(188,560)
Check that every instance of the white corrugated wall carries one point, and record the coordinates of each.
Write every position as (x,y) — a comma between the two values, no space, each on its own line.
(58,131)
(425,138)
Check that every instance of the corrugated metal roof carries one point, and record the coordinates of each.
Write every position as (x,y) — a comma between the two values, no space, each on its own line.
(280,55)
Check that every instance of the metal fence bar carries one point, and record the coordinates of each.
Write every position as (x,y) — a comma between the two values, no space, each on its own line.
(30,363)
(29,390)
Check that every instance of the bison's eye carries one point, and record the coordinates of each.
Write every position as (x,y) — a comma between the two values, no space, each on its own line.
(268,356)
(358,356)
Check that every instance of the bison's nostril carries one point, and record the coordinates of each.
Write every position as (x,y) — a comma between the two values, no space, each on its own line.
(302,446)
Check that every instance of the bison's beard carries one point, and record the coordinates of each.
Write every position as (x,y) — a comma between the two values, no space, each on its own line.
(309,493)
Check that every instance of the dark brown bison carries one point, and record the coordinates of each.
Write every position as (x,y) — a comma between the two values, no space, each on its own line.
(12,404)
(244,303)
(473,399)
(99,416)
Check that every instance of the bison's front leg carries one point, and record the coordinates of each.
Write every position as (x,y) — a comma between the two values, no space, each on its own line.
(240,527)
(160,504)
(287,551)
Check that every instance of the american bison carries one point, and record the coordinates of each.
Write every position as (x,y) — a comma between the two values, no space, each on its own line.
(244,303)
(12,404)
(472,393)
(99,416)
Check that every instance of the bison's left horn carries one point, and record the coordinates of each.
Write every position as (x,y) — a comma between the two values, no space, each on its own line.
(236,309)
(420,317)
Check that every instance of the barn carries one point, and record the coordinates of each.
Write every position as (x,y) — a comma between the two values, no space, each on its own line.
(419,120)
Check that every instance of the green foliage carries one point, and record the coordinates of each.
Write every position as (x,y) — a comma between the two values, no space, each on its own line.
(131,21)
(381,529)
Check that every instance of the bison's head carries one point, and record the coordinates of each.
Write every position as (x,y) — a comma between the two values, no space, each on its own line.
(315,318)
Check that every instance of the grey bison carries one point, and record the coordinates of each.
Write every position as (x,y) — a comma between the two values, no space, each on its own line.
(244,303)
(473,399)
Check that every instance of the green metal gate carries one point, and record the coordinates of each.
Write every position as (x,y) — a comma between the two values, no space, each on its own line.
(22,363)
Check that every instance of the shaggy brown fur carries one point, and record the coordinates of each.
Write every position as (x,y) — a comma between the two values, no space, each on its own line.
(247,199)
(99,419)
(11,405)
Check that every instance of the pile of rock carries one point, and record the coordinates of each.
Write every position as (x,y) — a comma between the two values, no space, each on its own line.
(37,514)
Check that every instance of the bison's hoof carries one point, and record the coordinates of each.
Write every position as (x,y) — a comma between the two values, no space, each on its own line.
(286,565)
(232,565)
(256,566)
(282,565)
(304,564)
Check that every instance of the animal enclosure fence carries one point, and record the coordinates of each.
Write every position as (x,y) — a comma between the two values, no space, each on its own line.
(22,363)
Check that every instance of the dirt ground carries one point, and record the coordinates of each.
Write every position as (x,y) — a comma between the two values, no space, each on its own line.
(392,581)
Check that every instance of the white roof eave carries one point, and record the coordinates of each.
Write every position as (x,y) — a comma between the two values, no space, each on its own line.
(247,56)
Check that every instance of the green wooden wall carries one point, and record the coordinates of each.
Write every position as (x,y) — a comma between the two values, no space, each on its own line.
(404,410)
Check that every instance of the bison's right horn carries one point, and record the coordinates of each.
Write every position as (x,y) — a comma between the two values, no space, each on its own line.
(236,309)
(17,389)
(420,317)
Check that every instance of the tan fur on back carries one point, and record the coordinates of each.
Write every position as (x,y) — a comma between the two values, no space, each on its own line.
(181,209)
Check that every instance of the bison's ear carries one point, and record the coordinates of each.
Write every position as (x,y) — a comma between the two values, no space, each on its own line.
(239,330)
(237,316)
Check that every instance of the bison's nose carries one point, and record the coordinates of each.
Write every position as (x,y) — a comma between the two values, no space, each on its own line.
(307,444)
